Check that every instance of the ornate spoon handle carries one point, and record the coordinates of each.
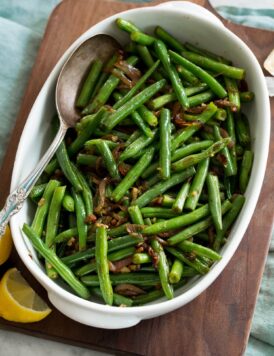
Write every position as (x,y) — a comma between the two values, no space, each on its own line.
(16,199)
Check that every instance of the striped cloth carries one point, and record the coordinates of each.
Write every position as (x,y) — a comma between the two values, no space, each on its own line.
(259,14)
(22,23)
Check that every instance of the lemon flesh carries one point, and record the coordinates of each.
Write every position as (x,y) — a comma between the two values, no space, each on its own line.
(18,301)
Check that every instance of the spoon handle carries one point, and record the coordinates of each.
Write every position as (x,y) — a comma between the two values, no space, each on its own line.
(16,198)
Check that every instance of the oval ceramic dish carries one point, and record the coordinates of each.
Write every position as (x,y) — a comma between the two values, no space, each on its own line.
(189,22)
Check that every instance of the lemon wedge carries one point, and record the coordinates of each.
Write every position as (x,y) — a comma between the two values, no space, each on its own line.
(5,245)
(18,301)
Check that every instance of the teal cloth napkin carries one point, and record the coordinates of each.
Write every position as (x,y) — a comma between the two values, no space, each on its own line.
(22,23)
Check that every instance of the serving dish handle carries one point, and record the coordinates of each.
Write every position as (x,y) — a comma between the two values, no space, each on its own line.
(193,9)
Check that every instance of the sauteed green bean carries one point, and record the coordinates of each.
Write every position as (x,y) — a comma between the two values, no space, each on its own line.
(142,194)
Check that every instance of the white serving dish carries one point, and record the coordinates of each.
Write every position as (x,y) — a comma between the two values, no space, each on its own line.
(186,21)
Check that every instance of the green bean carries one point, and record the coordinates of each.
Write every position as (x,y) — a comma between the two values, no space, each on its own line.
(148,297)
(229,167)
(194,100)
(206,53)
(230,127)
(200,87)
(165,137)
(138,120)
(105,73)
(199,250)
(229,186)
(213,84)
(158,212)
(136,87)
(141,258)
(106,90)
(220,115)
(52,224)
(95,141)
(126,25)
(83,122)
(168,39)
(176,271)
(118,231)
(196,228)
(242,130)
(86,269)
(80,218)
(118,299)
(79,256)
(51,167)
(186,133)
(43,207)
(68,203)
(196,264)
(245,170)
(214,200)
(198,157)
(141,38)
(87,160)
(85,134)
(190,148)
(131,177)
(167,200)
(121,254)
(86,192)
(65,164)
(108,160)
(233,92)
(186,75)
(101,249)
(163,268)
(228,220)
(136,134)
(147,116)
(197,185)
(148,60)
(54,215)
(247,96)
(89,83)
(177,222)
(136,146)
(134,103)
(37,191)
(179,202)
(130,48)
(135,215)
(66,235)
(162,54)
(114,256)
(56,263)
(201,98)
(215,66)
(136,278)
(161,187)
(152,180)
(113,245)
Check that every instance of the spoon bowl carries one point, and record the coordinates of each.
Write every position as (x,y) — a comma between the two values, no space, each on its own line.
(75,70)
(70,78)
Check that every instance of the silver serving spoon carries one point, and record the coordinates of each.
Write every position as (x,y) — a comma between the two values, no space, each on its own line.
(68,83)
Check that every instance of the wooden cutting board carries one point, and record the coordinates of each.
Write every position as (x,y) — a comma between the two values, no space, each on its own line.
(217,322)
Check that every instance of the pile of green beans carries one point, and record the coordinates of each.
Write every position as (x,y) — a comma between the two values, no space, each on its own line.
(142,194)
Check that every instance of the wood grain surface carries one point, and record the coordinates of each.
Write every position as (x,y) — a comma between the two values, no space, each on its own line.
(218,321)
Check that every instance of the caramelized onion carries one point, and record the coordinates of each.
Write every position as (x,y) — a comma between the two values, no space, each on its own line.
(129,290)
